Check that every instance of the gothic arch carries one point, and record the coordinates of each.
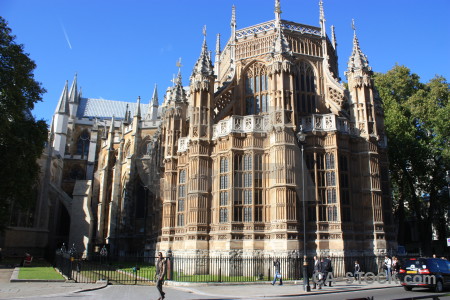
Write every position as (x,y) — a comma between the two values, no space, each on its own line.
(306,87)
(146,146)
(255,82)
(127,151)
(83,142)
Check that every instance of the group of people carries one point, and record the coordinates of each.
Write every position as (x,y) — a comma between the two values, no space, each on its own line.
(322,269)
(391,266)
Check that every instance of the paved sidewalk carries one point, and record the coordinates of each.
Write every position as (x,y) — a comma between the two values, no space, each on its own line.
(25,288)
(262,290)
(238,290)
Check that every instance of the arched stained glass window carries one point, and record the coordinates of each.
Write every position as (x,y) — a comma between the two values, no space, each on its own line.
(305,87)
(83,144)
(256,90)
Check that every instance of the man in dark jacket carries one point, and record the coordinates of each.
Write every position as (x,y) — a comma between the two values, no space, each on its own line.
(328,269)
(160,274)
(316,271)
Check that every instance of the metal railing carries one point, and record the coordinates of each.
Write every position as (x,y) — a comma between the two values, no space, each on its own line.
(141,269)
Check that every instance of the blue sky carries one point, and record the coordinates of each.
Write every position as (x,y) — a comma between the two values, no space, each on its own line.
(121,49)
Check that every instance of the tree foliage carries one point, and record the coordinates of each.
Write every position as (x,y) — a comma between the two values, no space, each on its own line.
(418,130)
(22,138)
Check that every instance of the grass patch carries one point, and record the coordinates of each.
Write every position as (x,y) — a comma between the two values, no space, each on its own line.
(42,273)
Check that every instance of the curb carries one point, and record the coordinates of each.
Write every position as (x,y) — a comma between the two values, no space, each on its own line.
(15,278)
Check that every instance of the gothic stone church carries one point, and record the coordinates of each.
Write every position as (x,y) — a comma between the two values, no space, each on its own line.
(217,168)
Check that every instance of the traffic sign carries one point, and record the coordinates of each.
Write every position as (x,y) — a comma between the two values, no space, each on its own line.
(448,242)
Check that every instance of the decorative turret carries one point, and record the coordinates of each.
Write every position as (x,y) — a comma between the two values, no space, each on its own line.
(177,92)
(358,60)
(203,67)
(360,85)
(202,94)
(281,52)
(282,56)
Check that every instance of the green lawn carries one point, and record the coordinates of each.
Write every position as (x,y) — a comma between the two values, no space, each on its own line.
(39,269)
(43,273)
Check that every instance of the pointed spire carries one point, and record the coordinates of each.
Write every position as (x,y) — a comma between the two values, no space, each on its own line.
(126,120)
(281,44)
(111,127)
(155,101)
(73,94)
(218,44)
(277,13)
(152,111)
(138,108)
(322,19)
(333,37)
(178,80)
(358,60)
(203,65)
(233,23)
(63,103)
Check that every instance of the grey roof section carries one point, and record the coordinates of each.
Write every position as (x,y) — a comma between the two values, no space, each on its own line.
(101,108)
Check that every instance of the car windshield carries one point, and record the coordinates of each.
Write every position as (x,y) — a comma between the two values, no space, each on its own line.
(415,264)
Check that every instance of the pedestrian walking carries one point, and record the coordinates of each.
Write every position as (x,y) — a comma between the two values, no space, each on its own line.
(357,270)
(387,266)
(328,269)
(276,265)
(316,271)
(321,273)
(160,274)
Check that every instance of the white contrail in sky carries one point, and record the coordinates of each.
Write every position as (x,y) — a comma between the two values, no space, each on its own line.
(65,34)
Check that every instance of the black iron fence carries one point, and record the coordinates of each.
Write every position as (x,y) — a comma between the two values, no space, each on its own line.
(141,269)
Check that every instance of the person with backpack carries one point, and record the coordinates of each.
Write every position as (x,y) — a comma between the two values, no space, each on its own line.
(276,265)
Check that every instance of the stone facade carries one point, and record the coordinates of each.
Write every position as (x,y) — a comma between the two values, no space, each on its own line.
(217,169)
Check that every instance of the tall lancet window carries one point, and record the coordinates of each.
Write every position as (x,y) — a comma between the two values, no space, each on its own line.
(256,90)
(223,194)
(248,184)
(181,197)
(305,89)
(83,144)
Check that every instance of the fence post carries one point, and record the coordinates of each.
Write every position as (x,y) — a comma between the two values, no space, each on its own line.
(220,268)
(169,265)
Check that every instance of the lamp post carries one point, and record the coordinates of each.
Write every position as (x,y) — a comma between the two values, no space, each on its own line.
(301,137)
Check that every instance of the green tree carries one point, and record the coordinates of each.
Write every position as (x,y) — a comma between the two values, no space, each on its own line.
(22,138)
(418,128)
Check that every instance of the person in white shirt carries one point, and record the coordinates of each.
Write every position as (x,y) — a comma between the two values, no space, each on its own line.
(387,266)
